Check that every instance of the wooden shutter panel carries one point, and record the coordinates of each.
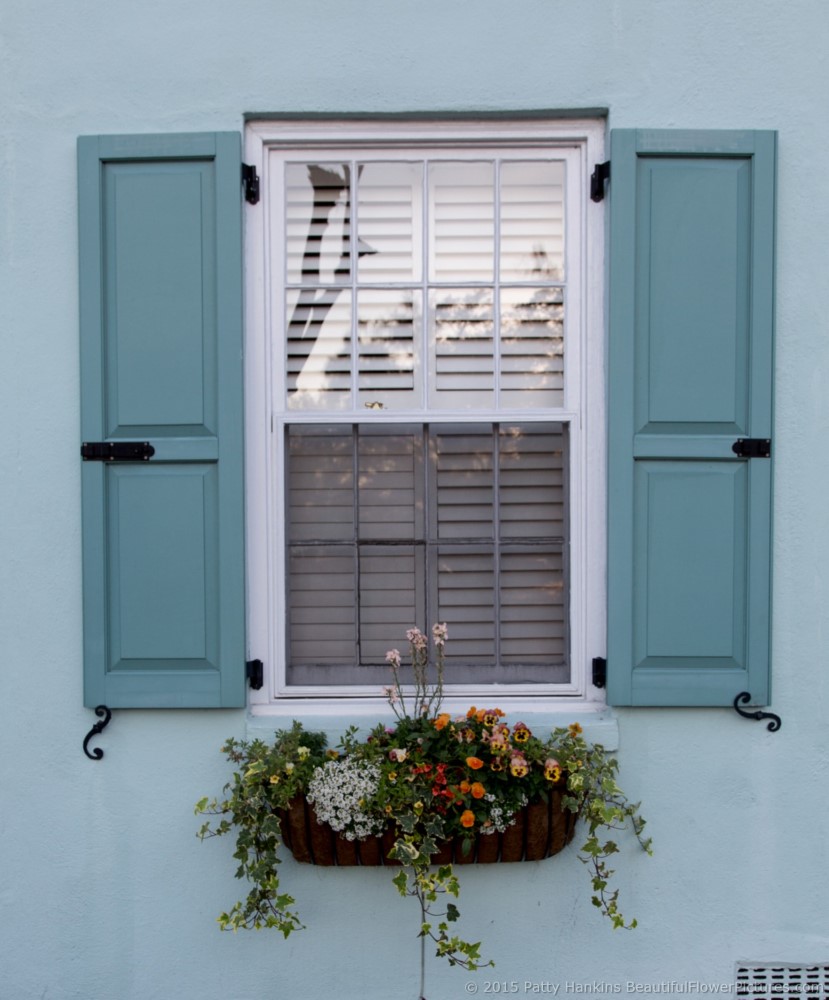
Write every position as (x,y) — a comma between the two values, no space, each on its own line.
(690,372)
(161,361)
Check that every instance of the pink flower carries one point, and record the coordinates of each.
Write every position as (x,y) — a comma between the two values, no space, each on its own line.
(416,638)
(393,657)
(440,634)
(552,769)
(518,766)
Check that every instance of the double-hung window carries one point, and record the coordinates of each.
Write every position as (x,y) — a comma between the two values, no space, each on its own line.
(420,378)
(426,438)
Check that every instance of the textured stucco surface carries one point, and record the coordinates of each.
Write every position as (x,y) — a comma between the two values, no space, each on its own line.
(104,892)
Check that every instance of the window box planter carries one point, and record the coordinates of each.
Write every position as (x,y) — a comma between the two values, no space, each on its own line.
(539,831)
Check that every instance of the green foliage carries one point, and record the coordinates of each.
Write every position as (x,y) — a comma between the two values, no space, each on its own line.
(435,777)
(268,776)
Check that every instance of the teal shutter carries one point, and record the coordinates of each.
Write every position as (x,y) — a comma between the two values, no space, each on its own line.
(690,371)
(161,361)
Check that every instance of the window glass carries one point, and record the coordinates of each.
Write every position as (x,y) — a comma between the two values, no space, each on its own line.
(459,523)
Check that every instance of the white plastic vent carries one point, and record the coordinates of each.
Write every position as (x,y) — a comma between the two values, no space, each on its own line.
(782,980)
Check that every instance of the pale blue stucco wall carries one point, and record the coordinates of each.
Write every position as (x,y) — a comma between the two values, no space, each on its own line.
(104,892)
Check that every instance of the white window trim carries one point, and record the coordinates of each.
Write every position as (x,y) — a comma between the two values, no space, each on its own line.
(587,342)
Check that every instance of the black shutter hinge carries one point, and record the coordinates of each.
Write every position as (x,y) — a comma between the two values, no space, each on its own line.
(599,671)
(255,673)
(250,179)
(600,174)
(752,447)
(117,451)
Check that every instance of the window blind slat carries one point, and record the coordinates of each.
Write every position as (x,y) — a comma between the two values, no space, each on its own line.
(390,579)
(532,220)
(388,339)
(396,507)
(462,211)
(388,208)
(318,346)
(317,210)
(532,344)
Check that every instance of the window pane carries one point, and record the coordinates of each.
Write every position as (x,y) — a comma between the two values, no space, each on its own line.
(532,221)
(462,359)
(322,575)
(390,477)
(389,199)
(392,598)
(318,222)
(532,347)
(531,496)
(390,334)
(532,573)
(465,481)
(462,221)
(470,530)
(505,602)
(322,605)
(533,619)
(466,602)
(318,348)
(320,484)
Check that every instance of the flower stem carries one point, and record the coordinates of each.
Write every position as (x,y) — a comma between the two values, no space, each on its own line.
(422,902)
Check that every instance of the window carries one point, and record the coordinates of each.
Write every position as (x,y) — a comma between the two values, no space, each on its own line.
(483,385)
(426,434)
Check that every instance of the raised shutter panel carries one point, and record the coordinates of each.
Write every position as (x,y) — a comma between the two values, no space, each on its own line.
(161,361)
(690,372)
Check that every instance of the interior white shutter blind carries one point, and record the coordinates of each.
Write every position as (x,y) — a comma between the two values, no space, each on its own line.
(411,286)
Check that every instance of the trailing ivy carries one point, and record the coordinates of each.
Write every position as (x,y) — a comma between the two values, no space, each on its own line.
(431,778)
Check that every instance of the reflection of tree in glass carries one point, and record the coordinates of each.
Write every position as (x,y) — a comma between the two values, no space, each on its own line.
(530,337)
(313,305)
(386,340)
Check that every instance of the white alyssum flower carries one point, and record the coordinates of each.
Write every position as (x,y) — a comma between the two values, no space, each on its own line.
(500,819)
(340,791)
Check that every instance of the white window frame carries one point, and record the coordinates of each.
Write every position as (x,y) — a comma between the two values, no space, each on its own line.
(584,141)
